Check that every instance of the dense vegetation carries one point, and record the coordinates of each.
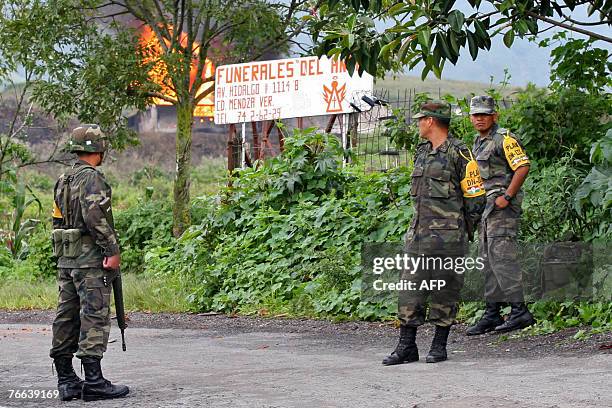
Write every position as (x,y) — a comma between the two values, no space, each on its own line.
(287,236)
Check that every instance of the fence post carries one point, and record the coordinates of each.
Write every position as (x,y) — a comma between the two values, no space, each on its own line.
(231,164)
(330,123)
(255,140)
(281,140)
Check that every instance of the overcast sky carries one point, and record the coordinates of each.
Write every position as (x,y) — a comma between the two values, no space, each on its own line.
(525,61)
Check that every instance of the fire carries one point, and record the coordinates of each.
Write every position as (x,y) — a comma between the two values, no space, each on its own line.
(159,73)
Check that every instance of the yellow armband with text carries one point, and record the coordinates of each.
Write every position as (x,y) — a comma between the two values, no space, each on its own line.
(515,155)
(472,185)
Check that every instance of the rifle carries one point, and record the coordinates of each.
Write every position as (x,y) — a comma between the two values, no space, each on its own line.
(469,226)
(119,307)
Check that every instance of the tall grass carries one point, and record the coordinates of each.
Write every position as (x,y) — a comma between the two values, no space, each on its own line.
(141,293)
(18,294)
(147,294)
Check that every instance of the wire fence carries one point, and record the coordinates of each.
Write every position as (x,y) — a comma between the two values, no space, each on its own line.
(369,132)
(372,144)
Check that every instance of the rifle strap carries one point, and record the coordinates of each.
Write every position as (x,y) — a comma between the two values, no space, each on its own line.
(66,198)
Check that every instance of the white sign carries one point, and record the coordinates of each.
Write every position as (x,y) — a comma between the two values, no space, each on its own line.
(287,88)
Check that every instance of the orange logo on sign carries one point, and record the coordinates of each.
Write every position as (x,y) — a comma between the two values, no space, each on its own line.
(334,96)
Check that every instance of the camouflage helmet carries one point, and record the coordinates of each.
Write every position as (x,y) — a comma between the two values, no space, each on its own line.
(436,109)
(87,138)
(482,104)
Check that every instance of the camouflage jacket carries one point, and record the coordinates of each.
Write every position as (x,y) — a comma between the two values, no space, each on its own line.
(499,154)
(90,211)
(445,207)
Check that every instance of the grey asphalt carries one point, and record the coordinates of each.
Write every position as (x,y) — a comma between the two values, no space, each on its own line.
(198,368)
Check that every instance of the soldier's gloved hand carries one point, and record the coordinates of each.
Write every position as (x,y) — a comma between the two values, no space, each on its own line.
(111,262)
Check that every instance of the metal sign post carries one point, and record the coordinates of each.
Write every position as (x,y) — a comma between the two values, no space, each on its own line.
(243,146)
(344,134)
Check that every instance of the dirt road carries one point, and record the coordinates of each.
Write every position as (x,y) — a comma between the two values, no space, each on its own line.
(217,361)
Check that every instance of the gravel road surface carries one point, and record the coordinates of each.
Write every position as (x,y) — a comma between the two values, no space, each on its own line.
(184,360)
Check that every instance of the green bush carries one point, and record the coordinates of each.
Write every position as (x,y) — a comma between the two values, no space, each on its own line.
(551,123)
(553,316)
(288,234)
(147,223)
(37,263)
(549,213)
(6,262)
(593,198)
(40,257)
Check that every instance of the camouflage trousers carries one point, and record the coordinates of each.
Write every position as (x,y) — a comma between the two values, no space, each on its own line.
(498,247)
(443,303)
(82,321)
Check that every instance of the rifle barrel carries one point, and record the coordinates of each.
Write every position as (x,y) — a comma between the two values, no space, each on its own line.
(119,307)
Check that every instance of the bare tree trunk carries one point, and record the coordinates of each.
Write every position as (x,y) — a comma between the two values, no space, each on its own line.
(182,219)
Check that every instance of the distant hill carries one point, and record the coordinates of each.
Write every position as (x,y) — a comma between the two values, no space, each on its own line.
(434,87)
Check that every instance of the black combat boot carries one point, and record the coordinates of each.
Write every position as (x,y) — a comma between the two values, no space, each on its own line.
(406,350)
(96,387)
(437,352)
(69,384)
(520,317)
(489,320)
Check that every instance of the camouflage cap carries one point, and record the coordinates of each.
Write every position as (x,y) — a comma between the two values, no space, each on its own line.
(482,104)
(87,138)
(436,109)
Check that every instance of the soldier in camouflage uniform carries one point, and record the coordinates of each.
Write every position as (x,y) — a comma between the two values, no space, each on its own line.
(85,243)
(448,199)
(504,166)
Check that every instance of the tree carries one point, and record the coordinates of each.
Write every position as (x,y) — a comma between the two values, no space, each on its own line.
(94,63)
(576,63)
(188,35)
(434,32)
(67,67)
(574,111)
(49,43)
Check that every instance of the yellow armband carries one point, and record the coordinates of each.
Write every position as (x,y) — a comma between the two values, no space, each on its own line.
(471,185)
(57,213)
(515,155)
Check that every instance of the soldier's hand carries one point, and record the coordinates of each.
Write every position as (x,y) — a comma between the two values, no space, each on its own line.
(111,262)
(501,202)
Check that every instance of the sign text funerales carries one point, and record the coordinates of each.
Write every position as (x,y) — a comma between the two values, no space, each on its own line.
(270,70)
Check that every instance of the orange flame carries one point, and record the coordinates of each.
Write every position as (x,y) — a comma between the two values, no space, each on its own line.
(159,73)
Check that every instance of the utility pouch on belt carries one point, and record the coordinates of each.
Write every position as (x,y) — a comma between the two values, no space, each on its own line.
(58,242)
(71,240)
